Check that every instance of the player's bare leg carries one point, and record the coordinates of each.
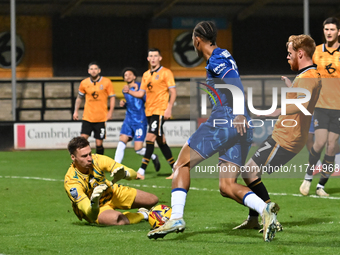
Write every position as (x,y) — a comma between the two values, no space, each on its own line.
(85,136)
(112,217)
(144,199)
(228,185)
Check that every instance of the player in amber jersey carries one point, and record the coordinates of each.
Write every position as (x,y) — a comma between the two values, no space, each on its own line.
(327,111)
(96,90)
(95,198)
(157,83)
(291,130)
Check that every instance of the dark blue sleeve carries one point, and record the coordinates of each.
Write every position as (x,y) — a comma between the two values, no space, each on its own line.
(220,67)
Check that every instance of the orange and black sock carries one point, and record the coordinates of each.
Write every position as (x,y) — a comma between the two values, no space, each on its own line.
(150,146)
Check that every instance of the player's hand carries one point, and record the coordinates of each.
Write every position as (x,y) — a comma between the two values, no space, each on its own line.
(75,116)
(167,114)
(287,81)
(126,89)
(118,174)
(240,123)
(96,194)
(122,103)
(109,116)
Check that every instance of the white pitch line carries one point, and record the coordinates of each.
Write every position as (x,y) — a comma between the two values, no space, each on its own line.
(163,187)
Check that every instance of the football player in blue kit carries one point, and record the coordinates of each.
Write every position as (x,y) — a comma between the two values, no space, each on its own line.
(231,141)
(135,124)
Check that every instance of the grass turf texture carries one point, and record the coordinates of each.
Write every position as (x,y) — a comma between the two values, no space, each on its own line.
(36,216)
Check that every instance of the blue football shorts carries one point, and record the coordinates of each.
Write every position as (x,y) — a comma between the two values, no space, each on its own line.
(136,131)
(225,140)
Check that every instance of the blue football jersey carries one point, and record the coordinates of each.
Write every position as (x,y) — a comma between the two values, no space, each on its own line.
(221,67)
(135,109)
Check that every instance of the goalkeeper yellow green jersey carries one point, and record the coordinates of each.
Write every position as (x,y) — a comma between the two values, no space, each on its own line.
(79,186)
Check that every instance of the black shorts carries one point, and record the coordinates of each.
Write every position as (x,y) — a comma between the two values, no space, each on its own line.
(97,127)
(156,124)
(327,119)
(270,153)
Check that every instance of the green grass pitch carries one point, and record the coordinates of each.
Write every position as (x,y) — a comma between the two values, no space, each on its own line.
(36,216)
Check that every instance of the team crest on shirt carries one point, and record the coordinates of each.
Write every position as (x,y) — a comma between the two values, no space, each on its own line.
(95,95)
(157,77)
(74,193)
(330,69)
(101,87)
(149,86)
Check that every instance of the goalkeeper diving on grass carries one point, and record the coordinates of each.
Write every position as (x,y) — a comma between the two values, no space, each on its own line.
(95,198)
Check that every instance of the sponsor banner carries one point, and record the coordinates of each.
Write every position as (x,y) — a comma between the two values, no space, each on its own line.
(57,135)
(178,132)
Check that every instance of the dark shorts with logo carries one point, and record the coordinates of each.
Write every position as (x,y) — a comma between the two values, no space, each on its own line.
(270,153)
(156,124)
(98,129)
(327,119)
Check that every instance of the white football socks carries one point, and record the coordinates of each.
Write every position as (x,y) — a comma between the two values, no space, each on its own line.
(252,201)
(141,171)
(178,197)
(120,152)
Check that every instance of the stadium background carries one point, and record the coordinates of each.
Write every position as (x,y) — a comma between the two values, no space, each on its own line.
(59,39)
